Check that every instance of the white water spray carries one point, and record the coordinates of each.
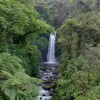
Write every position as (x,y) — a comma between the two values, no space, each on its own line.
(51,49)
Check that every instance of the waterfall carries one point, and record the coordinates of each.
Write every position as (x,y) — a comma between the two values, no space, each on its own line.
(51,49)
(51,59)
(48,73)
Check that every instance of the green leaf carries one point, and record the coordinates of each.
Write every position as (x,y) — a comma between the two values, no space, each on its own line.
(11,93)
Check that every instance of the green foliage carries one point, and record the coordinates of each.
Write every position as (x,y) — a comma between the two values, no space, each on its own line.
(10,64)
(13,80)
(23,39)
(80,62)
(56,11)
(92,95)
(12,13)
(20,28)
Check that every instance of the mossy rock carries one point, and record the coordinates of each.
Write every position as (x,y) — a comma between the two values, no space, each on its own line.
(47,86)
(53,85)
(48,81)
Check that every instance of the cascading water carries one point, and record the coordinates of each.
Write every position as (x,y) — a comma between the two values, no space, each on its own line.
(51,49)
(51,59)
(48,72)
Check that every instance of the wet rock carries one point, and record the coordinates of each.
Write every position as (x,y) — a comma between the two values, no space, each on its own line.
(51,94)
(43,94)
(49,75)
(53,86)
(48,81)
(51,98)
(40,98)
(46,86)
(55,73)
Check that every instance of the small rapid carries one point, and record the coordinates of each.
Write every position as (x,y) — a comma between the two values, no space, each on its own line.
(49,76)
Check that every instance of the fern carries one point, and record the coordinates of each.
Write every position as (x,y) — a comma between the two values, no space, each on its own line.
(10,63)
(14,82)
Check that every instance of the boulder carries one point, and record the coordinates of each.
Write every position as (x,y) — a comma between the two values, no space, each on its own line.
(46,86)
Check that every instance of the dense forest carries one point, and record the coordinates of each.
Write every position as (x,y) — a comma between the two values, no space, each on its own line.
(25,26)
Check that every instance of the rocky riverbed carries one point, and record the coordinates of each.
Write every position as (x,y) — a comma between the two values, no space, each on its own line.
(49,75)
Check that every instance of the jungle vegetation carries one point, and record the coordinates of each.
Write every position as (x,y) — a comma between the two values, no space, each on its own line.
(20,56)
(25,26)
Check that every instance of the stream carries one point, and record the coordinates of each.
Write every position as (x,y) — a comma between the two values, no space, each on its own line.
(49,75)
(49,71)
